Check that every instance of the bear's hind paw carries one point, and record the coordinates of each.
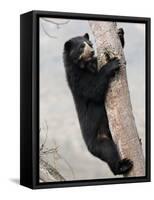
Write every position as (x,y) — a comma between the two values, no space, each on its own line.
(125,165)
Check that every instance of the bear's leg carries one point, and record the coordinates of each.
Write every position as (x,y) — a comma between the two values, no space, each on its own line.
(121,36)
(99,140)
(104,148)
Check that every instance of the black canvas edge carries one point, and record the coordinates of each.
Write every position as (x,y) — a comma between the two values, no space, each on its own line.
(26,172)
(29,99)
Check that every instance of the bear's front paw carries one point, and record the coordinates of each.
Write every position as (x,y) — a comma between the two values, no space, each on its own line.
(114,66)
(125,166)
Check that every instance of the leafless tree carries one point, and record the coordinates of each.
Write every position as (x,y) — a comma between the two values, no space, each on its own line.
(118,104)
(48,171)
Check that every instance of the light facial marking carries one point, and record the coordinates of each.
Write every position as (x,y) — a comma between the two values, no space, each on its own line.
(86,54)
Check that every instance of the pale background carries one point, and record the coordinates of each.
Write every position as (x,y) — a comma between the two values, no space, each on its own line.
(9,106)
(56,103)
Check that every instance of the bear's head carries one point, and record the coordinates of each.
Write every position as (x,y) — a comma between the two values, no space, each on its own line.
(79,49)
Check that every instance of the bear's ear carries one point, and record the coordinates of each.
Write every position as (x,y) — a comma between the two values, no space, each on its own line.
(68,45)
(86,35)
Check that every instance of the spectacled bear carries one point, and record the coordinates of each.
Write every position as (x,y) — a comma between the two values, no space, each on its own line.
(89,87)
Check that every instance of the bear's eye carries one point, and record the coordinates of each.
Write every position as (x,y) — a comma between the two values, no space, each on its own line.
(82,46)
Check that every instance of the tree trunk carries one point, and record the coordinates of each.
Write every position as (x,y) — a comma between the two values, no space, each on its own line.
(118,104)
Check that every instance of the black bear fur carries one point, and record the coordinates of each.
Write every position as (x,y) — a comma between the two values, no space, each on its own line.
(89,87)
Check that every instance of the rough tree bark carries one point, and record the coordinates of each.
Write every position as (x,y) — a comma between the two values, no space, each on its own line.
(118,104)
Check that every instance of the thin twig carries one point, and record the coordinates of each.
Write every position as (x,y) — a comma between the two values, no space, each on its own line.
(52,150)
(56,23)
(45,165)
(51,36)
(46,135)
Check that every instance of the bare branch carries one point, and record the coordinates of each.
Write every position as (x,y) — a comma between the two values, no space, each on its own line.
(46,169)
(46,135)
(52,150)
(58,24)
(51,36)
(52,172)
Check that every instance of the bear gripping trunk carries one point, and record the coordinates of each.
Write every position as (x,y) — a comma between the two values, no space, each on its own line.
(118,104)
